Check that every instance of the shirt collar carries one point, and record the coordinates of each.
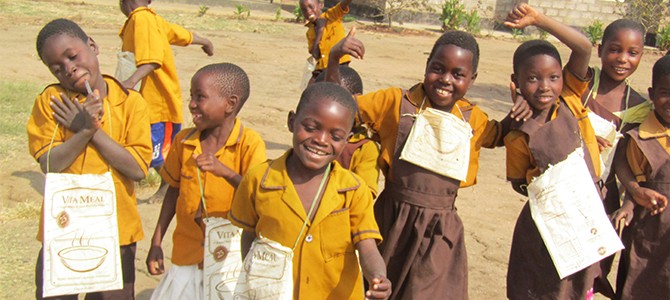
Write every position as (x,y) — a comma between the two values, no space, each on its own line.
(652,128)
(193,138)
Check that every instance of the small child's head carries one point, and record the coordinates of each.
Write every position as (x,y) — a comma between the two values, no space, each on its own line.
(311,9)
(659,92)
(218,92)
(349,79)
(321,124)
(127,6)
(70,54)
(621,48)
(451,68)
(538,73)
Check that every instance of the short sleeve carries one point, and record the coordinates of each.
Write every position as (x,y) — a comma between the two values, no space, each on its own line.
(335,13)
(243,211)
(362,216)
(179,36)
(148,39)
(254,151)
(518,157)
(574,86)
(364,164)
(376,106)
(171,170)
(487,133)
(42,125)
(138,136)
(638,163)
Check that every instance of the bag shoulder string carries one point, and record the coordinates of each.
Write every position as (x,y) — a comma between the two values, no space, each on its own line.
(311,207)
(53,137)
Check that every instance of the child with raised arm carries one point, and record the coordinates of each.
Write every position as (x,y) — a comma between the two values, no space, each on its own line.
(323,31)
(219,150)
(559,126)
(307,202)
(148,36)
(646,263)
(424,247)
(91,133)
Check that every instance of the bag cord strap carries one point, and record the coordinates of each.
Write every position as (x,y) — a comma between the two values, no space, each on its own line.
(311,207)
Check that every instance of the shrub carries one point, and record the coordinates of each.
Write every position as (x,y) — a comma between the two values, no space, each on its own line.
(298,13)
(594,32)
(203,10)
(663,38)
(241,12)
(453,13)
(472,22)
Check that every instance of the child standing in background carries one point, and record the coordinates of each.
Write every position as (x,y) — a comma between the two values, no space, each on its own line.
(222,149)
(559,120)
(645,265)
(307,188)
(148,36)
(424,246)
(323,31)
(92,132)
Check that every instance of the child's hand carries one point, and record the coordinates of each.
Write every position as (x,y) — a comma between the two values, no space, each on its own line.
(650,199)
(520,110)
(521,16)
(155,260)
(208,47)
(207,162)
(93,106)
(72,115)
(380,288)
(625,214)
(348,45)
(603,143)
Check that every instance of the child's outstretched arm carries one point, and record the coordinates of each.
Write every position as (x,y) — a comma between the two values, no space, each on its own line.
(206,44)
(348,45)
(524,15)
(374,270)
(155,257)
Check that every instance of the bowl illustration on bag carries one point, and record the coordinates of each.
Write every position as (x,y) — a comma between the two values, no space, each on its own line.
(223,289)
(82,258)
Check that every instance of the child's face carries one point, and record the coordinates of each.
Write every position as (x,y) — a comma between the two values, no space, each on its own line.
(72,61)
(660,95)
(207,106)
(320,132)
(448,76)
(540,80)
(621,54)
(311,9)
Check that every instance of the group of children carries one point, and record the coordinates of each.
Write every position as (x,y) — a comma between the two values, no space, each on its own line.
(319,197)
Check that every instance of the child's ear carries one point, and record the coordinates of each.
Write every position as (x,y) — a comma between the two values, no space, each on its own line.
(600,49)
(93,45)
(651,93)
(474,77)
(514,79)
(233,101)
(289,121)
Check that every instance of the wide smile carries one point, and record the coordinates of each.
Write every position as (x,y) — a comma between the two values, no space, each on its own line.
(196,117)
(443,92)
(545,98)
(620,71)
(315,152)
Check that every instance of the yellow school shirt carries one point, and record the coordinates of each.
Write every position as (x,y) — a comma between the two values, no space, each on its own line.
(333,32)
(521,165)
(243,149)
(149,37)
(364,162)
(130,128)
(381,111)
(650,128)
(325,265)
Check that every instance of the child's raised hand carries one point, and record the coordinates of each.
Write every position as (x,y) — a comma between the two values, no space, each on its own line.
(348,45)
(380,288)
(603,143)
(93,105)
(520,110)
(522,15)
(207,162)
(650,199)
(155,260)
(71,114)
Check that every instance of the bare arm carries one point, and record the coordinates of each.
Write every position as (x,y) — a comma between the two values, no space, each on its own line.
(141,72)
(168,209)
(374,270)
(206,44)
(523,15)
(117,156)
(247,238)
(348,45)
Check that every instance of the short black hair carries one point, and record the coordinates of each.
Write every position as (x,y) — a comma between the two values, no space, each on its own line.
(56,27)
(661,69)
(620,24)
(531,48)
(459,39)
(331,91)
(230,79)
(349,79)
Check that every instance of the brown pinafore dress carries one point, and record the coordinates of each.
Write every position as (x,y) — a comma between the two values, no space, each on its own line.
(531,273)
(423,247)
(645,266)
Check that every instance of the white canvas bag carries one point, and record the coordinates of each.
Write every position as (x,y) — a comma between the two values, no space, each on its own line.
(439,142)
(81,237)
(223,264)
(606,130)
(125,67)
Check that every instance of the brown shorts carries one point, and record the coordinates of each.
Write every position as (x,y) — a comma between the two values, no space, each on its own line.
(127,267)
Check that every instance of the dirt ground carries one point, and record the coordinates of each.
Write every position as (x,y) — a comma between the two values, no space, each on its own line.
(273,54)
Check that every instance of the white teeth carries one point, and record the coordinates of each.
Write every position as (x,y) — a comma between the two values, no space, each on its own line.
(315,151)
(442,92)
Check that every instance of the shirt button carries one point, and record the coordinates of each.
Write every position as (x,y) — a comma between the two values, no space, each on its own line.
(309,238)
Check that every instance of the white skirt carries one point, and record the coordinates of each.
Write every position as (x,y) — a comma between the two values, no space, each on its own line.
(180,282)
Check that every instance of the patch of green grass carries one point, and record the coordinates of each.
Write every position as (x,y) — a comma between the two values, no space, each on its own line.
(16,100)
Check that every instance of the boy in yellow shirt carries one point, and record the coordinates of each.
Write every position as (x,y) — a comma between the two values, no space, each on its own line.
(219,150)
(277,198)
(85,141)
(148,36)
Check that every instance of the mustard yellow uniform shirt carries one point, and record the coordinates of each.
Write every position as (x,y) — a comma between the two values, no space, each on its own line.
(521,165)
(130,128)
(364,163)
(243,149)
(333,32)
(325,266)
(381,111)
(149,37)
(650,128)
